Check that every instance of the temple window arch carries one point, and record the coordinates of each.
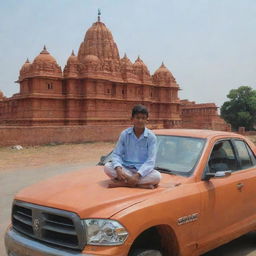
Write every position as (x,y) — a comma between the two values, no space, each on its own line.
(50,86)
(113,90)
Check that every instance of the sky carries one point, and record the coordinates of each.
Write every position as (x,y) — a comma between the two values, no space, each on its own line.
(208,45)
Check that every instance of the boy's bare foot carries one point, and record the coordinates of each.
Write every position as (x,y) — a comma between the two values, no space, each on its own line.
(147,186)
(117,184)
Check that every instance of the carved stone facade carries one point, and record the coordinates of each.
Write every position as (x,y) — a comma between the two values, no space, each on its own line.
(96,87)
(202,116)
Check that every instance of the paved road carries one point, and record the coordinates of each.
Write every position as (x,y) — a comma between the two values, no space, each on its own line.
(12,181)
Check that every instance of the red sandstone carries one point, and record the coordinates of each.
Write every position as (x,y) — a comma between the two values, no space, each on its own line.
(97,87)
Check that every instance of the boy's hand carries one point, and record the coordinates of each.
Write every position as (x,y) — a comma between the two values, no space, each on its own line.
(134,179)
(121,176)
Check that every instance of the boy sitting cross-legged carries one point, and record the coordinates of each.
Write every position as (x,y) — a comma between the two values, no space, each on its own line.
(134,156)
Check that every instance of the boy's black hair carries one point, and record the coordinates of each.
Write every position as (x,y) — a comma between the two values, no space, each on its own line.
(139,109)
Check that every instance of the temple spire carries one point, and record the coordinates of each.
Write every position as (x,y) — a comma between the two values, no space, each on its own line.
(72,54)
(44,51)
(99,13)
(139,59)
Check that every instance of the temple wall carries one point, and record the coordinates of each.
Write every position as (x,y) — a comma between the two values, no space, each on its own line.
(29,136)
(87,101)
(202,116)
(15,110)
(41,85)
(40,135)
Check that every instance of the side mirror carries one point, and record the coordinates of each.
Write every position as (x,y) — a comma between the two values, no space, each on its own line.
(102,159)
(105,159)
(219,174)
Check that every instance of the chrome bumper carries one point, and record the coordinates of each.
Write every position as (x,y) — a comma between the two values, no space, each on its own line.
(19,245)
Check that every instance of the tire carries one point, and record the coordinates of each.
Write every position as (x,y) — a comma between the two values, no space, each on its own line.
(147,253)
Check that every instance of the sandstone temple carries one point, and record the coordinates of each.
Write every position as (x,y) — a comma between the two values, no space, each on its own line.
(97,87)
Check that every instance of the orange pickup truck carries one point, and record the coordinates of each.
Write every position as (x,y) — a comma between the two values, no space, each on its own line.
(206,198)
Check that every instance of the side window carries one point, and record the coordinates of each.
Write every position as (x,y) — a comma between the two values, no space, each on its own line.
(243,154)
(253,158)
(222,157)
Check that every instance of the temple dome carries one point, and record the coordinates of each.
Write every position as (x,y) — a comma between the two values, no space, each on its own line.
(163,75)
(45,65)
(25,70)
(72,59)
(1,94)
(25,67)
(139,63)
(98,41)
(139,67)
(44,56)
(71,68)
(163,70)
(141,71)
(126,61)
(127,70)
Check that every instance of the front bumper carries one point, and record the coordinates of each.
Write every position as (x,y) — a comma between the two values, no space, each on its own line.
(19,245)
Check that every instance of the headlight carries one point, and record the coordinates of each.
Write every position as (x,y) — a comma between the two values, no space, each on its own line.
(104,232)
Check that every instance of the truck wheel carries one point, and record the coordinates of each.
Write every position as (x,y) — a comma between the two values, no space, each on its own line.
(147,253)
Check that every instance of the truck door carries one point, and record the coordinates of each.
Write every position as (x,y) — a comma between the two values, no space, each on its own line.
(222,198)
(247,169)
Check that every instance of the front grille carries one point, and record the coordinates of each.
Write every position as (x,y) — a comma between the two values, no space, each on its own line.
(22,219)
(49,225)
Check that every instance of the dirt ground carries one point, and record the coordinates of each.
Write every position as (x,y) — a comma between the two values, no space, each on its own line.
(21,168)
(38,156)
(253,138)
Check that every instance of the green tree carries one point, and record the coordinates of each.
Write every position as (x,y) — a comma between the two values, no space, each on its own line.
(240,110)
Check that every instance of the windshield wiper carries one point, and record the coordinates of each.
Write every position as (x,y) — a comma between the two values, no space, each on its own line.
(164,170)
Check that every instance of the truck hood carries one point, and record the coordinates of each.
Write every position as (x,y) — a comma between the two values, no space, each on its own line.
(86,193)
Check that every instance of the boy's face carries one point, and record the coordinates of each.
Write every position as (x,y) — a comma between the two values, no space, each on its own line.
(139,120)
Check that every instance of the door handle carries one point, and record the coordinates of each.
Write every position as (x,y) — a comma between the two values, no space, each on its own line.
(239,186)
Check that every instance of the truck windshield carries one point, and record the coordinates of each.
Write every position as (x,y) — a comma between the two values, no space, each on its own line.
(178,154)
